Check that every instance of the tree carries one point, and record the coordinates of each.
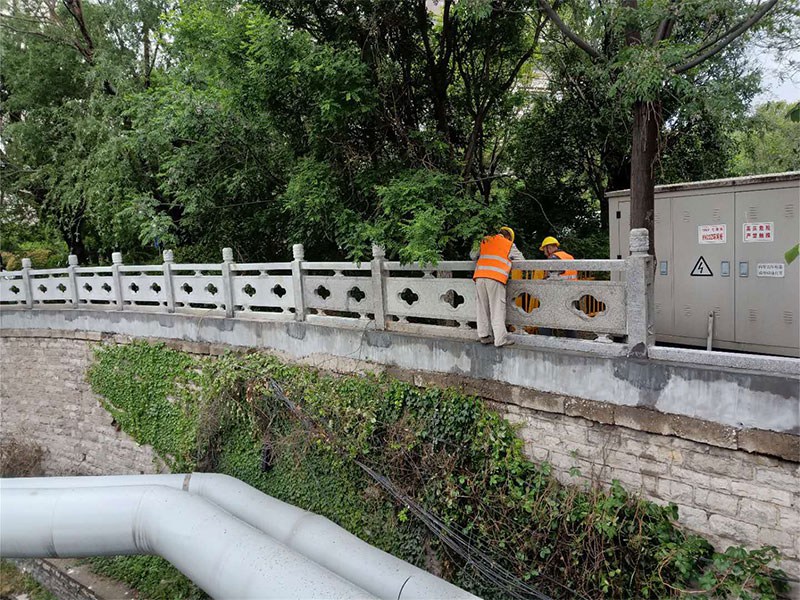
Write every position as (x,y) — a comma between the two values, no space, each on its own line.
(647,48)
(337,123)
(66,67)
(572,144)
(768,142)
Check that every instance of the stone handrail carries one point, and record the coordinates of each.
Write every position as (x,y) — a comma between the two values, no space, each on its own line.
(381,294)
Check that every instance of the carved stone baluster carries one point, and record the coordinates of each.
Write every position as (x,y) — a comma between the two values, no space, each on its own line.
(72,261)
(26,281)
(639,294)
(298,254)
(169,285)
(228,291)
(378,287)
(116,263)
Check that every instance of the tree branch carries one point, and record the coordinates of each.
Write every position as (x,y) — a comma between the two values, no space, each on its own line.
(525,57)
(576,39)
(665,27)
(4,24)
(75,9)
(722,42)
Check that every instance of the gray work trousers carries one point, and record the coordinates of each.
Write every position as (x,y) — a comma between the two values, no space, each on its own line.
(491,310)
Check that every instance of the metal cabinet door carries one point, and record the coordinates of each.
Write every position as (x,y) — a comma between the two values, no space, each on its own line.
(700,286)
(767,305)
(665,267)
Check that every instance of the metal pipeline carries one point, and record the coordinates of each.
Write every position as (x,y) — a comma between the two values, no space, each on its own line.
(222,555)
(313,537)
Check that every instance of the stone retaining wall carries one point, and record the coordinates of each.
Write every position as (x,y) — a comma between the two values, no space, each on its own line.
(732,496)
(44,397)
(61,585)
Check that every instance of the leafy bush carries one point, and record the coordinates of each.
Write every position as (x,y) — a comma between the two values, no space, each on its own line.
(443,451)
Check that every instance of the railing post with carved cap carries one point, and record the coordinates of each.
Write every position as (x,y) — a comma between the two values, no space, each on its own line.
(169,289)
(228,293)
(298,253)
(379,306)
(26,281)
(116,262)
(72,263)
(639,294)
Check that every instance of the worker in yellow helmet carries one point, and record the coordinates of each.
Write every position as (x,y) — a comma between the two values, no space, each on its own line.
(550,247)
(491,274)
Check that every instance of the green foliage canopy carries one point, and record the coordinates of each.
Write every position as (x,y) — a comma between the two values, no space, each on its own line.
(194,125)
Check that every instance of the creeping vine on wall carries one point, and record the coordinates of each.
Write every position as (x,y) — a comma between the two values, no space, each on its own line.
(445,450)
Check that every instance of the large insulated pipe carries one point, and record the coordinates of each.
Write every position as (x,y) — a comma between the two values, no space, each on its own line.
(222,555)
(315,537)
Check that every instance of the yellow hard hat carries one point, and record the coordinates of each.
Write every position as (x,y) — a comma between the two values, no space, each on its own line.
(509,230)
(547,241)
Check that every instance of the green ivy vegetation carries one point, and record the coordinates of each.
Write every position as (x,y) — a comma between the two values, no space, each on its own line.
(446,450)
(152,576)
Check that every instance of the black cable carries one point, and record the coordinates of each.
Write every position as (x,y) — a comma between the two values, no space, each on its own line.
(482,562)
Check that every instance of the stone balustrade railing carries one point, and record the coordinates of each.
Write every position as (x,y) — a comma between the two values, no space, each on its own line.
(381,294)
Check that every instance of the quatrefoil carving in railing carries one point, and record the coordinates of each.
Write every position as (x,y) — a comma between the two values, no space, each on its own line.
(14,289)
(249,290)
(526,303)
(42,288)
(212,289)
(133,287)
(589,306)
(87,287)
(453,298)
(106,288)
(408,296)
(278,290)
(356,294)
(61,288)
(155,287)
(187,288)
(322,292)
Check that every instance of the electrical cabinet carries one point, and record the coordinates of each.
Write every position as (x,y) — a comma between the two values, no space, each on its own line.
(721,248)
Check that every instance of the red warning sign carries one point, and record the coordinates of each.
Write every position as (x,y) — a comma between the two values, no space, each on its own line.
(712,234)
(758,232)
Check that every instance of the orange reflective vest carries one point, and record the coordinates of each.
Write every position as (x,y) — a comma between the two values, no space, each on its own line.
(564,256)
(493,260)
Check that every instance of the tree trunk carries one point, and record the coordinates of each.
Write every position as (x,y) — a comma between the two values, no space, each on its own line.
(646,116)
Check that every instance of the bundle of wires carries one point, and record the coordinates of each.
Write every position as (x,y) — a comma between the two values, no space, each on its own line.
(485,562)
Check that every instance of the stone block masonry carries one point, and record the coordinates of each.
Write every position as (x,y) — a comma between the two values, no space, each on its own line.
(54,579)
(724,492)
(45,398)
(731,497)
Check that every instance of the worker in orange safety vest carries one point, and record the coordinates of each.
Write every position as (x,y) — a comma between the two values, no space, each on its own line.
(491,274)
(550,248)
